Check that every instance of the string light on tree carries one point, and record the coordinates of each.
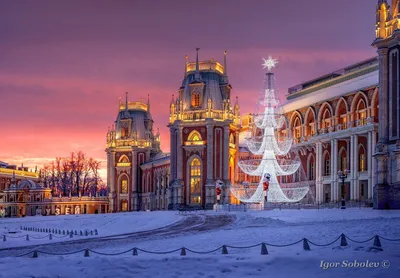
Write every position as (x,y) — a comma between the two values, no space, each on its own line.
(275,161)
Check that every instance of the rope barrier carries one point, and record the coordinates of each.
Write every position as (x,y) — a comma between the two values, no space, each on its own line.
(356,241)
(223,247)
(112,254)
(159,252)
(389,239)
(323,245)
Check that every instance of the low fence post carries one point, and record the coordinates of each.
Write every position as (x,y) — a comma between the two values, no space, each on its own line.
(27,237)
(134,253)
(35,254)
(343,241)
(86,253)
(305,245)
(224,250)
(183,251)
(264,250)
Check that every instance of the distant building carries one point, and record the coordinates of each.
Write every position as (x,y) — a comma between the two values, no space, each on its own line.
(204,130)
(23,194)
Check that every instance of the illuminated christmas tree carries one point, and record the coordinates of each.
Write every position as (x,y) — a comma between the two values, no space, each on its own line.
(275,162)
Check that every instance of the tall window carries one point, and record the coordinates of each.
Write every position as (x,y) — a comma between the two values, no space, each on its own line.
(361,162)
(343,163)
(327,166)
(195,179)
(124,186)
(195,99)
(312,171)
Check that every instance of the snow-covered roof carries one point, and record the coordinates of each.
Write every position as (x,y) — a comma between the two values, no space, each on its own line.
(351,81)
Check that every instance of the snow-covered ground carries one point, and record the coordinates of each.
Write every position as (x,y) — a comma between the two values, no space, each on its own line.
(275,227)
(105,224)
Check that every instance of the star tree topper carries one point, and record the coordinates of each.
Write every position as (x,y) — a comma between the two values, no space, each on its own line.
(269,63)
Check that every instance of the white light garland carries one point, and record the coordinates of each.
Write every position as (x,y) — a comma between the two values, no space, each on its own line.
(263,142)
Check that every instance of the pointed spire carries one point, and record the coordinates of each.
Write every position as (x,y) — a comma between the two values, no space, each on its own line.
(237,101)
(173,99)
(197,59)
(36,169)
(148,102)
(126,101)
(225,65)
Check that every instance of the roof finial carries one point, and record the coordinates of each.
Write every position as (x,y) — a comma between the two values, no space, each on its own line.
(173,99)
(225,66)
(148,102)
(126,101)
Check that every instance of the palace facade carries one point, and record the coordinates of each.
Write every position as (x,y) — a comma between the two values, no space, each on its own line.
(345,125)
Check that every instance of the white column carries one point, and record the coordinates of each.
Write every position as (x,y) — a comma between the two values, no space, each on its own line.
(370,170)
(318,185)
(334,167)
(333,170)
(356,173)
(373,179)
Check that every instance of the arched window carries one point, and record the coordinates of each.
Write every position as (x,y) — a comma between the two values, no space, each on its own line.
(195,180)
(342,114)
(123,159)
(326,119)
(124,185)
(194,136)
(297,128)
(195,99)
(361,112)
(310,122)
(361,159)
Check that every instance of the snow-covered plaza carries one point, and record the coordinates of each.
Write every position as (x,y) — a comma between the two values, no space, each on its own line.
(202,232)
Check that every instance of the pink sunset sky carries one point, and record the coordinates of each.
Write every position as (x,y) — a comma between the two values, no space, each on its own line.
(64,64)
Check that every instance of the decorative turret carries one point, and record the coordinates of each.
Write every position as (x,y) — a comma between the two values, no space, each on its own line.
(387,18)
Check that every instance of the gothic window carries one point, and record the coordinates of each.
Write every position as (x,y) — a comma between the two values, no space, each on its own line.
(361,159)
(124,185)
(194,138)
(343,160)
(326,122)
(195,99)
(124,159)
(361,112)
(297,128)
(195,180)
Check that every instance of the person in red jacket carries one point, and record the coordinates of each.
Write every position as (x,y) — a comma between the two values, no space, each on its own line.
(266,185)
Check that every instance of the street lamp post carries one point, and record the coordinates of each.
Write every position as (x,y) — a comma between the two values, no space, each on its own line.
(343,175)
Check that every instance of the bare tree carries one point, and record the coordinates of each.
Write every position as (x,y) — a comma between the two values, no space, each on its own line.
(74,175)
